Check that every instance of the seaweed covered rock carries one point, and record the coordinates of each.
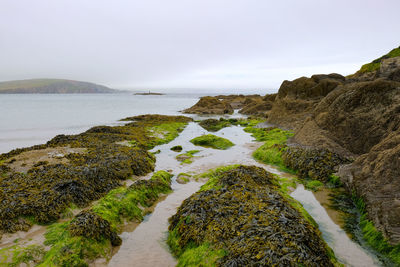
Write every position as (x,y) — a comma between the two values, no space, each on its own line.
(45,191)
(214,125)
(210,105)
(244,215)
(91,225)
(176,148)
(317,164)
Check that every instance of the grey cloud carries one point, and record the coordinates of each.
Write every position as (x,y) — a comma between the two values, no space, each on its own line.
(216,44)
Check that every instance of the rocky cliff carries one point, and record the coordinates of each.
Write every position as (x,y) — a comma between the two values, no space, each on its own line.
(357,117)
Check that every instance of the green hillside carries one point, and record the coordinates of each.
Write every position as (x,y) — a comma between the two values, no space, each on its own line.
(52,86)
(375,65)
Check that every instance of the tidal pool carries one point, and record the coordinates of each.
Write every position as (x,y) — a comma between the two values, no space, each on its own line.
(146,244)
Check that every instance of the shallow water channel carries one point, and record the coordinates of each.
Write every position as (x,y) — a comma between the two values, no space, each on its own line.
(145,245)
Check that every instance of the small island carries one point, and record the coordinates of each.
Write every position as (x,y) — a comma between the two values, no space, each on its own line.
(148,93)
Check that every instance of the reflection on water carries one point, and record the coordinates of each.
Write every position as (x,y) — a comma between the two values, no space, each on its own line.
(347,251)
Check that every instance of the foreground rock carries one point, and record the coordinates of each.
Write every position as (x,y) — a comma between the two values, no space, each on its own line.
(210,105)
(243,220)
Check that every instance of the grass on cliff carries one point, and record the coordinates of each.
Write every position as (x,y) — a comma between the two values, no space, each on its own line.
(274,141)
(376,64)
(212,141)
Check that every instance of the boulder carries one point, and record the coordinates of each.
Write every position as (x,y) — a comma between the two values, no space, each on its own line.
(258,106)
(210,105)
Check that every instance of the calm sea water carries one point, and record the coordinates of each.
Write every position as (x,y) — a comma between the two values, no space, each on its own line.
(27,120)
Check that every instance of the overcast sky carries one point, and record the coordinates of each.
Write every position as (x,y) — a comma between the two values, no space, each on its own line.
(210,44)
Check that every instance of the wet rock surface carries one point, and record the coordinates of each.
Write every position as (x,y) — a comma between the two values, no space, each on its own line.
(245,215)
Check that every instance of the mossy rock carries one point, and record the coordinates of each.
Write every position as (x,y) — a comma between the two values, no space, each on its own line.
(183,178)
(213,125)
(212,141)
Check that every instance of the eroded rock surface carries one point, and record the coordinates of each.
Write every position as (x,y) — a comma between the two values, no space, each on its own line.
(210,105)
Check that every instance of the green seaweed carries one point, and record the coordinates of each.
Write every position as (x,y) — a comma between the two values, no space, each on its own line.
(313,185)
(123,203)
(373,237)
(68,250)
(274,143)
(166,132)
(16,255)
(212,141)
(186,158)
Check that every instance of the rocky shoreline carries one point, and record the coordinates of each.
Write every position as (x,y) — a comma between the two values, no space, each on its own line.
(343,132)
(42,187)
(347,126)
(356,118)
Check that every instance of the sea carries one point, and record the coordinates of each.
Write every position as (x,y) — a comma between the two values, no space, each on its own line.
(31,119)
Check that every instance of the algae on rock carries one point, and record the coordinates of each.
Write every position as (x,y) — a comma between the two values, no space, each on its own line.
(212,141)
(243,220)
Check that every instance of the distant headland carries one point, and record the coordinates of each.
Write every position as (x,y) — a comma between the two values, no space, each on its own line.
(52,86)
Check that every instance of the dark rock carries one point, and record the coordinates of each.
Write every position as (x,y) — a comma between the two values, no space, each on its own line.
(176,148)
(296,99)
(210,105)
